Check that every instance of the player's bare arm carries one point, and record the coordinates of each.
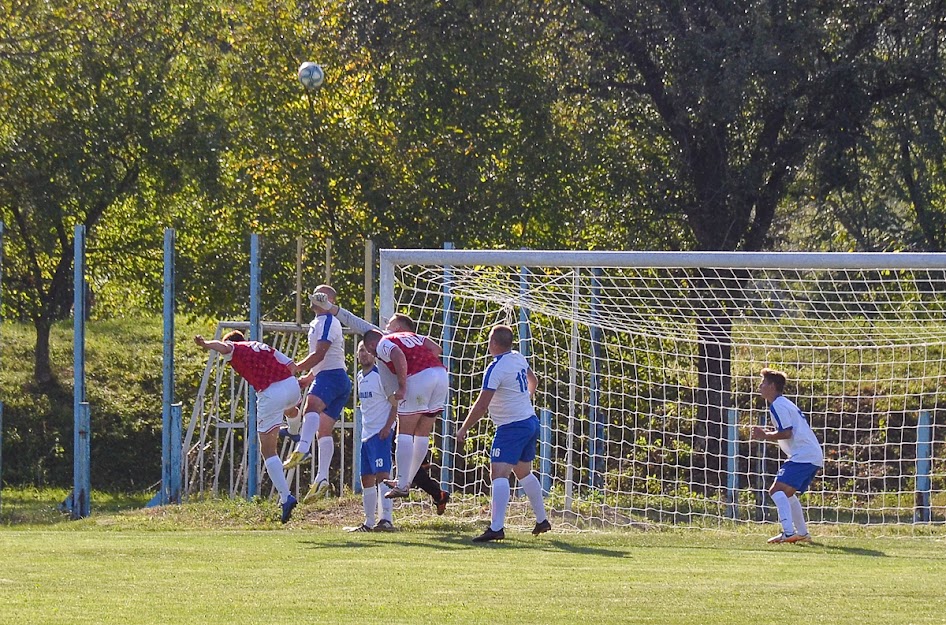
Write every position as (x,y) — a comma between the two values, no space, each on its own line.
(315,357)
(760,433)
(392,417)
(532,382)
(217,346)
(477,412)
(400,369)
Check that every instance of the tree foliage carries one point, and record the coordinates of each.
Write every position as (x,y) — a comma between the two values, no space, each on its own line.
(746,93)
(571,124)
(99,116)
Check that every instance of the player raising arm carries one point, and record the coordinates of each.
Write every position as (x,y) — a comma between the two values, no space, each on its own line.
(328,395)
(271,373)
(508,388)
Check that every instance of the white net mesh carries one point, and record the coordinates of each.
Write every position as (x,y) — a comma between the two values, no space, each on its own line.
(648,380)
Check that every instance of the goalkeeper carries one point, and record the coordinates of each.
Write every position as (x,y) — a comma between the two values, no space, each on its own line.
(805,458)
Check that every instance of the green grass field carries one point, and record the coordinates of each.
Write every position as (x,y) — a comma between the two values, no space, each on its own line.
(230,563)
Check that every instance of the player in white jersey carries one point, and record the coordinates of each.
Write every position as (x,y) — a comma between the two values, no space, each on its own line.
(805,457)
(378,414)
(330,390)
(415,417)
(508,388)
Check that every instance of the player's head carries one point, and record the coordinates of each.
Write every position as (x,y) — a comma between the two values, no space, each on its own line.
(365,358)
(234,336)
(371,340)
(399,322)
(772,384)
(500,339)
(329,293)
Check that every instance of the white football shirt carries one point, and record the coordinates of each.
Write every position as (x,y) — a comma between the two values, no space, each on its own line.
(326,327)
(803,446)
(506,375)
(373,402)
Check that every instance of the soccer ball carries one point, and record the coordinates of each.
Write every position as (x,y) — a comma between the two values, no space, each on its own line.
(311,75)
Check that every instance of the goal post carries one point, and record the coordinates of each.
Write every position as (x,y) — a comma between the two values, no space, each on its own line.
(649,363)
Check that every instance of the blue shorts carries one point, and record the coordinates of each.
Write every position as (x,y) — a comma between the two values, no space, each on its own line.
(798,475)
(376,455)
(333,387)
(515,442)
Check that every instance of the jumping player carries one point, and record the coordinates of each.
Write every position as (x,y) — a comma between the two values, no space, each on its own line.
(272,374)
(422,383)
(328,395)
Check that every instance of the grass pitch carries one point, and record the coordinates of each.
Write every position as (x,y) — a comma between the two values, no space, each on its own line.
(220,562)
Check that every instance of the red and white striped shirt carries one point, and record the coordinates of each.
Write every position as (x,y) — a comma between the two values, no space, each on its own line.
(412,345)
(258,363)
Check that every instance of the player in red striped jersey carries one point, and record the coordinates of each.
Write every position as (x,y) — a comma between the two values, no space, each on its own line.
(272,375)
(422,384)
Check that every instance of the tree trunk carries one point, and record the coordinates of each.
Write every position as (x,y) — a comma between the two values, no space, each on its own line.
(42,368)
(714,333)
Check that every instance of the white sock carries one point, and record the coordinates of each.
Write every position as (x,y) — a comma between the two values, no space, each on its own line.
(784,512)
(798,516)
(369,497)
(310,425)
(421,445)
(294,424)
(403,457)
(387,505)
(326,451)
(499,502)
(274,467)
(533,490)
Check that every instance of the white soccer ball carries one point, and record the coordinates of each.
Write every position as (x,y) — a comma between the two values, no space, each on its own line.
(311,75)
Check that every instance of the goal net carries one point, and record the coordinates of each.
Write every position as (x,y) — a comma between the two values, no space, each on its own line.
(648,367)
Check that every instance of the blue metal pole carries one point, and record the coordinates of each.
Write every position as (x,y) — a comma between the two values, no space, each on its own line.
(924,466)
(545,450)
(170,474)
(449,425)
(252,445)
(81,497)
(1,456)
(176,453)
(732,437)
(525,329)
(597,451)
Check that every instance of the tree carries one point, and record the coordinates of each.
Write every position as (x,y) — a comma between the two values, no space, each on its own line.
(98,110)
(745,93)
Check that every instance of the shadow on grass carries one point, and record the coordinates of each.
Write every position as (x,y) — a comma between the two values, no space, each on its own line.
(441,542)
(853,551)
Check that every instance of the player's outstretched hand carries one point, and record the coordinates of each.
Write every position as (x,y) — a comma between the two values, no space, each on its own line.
(320,300)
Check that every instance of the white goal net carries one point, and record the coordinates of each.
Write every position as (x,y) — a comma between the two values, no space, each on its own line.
(648,366)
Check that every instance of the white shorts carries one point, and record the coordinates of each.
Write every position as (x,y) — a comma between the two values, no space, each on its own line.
(426,392)
(274,401)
